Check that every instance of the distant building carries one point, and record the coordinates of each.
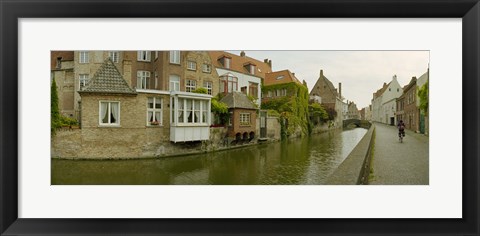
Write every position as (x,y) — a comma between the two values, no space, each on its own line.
(384,102)
(331,98)
(353,111)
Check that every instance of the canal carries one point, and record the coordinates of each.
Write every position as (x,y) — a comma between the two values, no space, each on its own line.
(298,161)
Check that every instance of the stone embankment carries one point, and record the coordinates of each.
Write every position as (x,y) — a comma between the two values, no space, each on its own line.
(356,167)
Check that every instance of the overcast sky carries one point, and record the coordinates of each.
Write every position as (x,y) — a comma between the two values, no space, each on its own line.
(360,72)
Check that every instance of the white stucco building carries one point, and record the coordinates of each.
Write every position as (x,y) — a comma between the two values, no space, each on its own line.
(384,102)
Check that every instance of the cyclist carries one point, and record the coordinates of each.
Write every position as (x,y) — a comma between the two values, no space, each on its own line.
(401,129)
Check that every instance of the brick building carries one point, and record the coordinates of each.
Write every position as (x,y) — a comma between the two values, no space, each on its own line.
(243,116)
(330,97)
(240,73)
(62,70)
(409,112)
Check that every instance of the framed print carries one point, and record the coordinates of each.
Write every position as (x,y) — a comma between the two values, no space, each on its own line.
(48,188)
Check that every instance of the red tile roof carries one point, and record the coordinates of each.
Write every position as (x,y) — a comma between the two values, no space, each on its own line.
(238,63)
(280,77)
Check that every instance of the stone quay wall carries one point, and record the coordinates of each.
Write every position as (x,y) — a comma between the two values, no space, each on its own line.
(355,168)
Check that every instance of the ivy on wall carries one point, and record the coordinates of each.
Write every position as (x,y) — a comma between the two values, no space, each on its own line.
(293,107)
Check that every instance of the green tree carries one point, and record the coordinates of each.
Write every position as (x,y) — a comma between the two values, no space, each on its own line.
(200,90)
(54,111)
(220,109)
(423,95)
(317,112)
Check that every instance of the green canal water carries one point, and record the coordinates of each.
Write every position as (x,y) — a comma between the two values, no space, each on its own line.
(298,161)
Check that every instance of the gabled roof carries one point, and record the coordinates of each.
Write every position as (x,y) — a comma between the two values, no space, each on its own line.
(238,100)
(238,63)
(382,90)
(273,78)
(108,79)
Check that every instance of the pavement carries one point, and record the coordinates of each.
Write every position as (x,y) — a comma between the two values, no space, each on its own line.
(396,163)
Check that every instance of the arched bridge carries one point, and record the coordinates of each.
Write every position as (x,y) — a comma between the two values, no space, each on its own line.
(357,123)
(349,122)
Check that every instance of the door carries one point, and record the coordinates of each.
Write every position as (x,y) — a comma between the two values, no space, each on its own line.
(392,120)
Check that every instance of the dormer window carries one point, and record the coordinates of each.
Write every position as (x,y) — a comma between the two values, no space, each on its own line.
(226,62)
(249,67)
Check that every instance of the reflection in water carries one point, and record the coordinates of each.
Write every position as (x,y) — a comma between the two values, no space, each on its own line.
(298,161)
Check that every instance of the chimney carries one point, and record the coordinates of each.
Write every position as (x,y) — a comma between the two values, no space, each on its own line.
(340,90)
(321,73)
(242,54)
(127,73)
(293,73)
(270,63)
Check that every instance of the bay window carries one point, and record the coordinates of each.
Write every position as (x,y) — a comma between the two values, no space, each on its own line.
(228,84)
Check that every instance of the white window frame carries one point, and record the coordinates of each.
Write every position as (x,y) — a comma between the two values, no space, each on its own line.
(176,84)
(191,65)
(155,110)
(226,63)
(199,107)
(109,110)
(207,68)
(245,119)
(209,86)
(190,85)
(143,79)
(83,80)
(252,69)
(83,57)
(175,57)
(114,56)
(143,56)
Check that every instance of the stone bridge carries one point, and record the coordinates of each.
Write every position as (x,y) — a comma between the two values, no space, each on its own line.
(357,123)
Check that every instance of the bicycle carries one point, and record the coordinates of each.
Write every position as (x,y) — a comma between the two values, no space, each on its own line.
(401,134)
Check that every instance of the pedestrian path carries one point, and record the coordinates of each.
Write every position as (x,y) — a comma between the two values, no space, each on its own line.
(399,163)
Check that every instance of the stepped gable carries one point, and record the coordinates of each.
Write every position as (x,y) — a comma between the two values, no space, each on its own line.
(108,79)
(237,100)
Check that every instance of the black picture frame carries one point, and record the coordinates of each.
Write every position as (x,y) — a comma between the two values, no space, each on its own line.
(11,11)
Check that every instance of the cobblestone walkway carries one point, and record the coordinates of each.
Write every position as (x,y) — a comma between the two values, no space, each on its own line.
(396,163)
